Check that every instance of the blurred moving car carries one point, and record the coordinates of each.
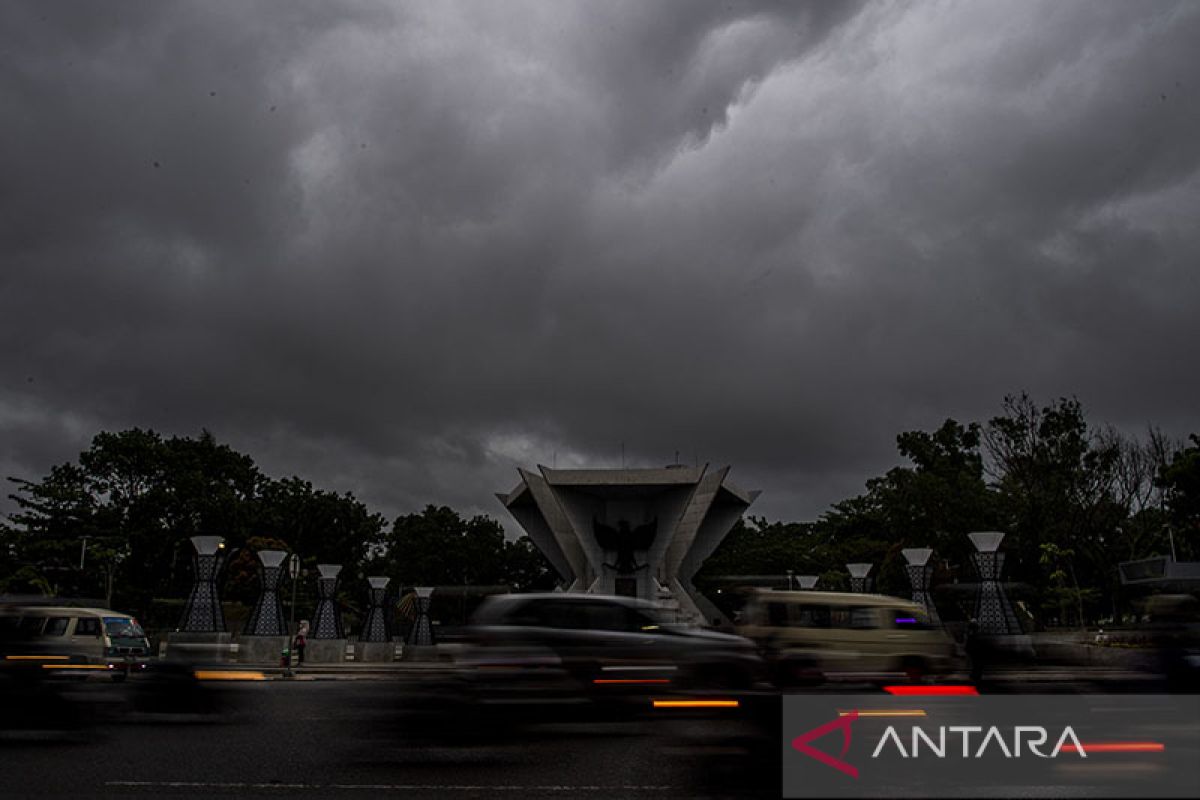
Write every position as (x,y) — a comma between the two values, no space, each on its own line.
(72,640)
(806,635)
(591,646)
(1173,624)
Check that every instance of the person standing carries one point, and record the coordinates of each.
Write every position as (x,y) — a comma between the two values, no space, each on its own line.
(301,641)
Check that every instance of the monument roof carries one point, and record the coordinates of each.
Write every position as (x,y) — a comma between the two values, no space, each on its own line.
(661,476)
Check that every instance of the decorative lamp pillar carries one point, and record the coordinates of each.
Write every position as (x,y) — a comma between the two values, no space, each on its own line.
(375,626)
(858,576)
(422,630)
(202,613)
(807,581)
(327,621)
(920,571)
(992,609)
(266,618)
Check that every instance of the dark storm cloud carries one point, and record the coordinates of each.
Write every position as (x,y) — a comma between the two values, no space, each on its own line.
(402,248)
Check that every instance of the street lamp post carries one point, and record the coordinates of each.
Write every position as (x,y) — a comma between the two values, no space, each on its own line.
(294,571)
(919,573)
(993,612)
(858,576)
(202,613)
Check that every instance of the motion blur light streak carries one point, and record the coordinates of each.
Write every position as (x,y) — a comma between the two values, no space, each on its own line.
(35,658)
(1118,747)
(930,691)
(76,666)
(632,680)
(229,675)
(696,703)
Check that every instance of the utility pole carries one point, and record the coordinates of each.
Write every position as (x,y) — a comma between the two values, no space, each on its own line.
(82,551)
(294,568)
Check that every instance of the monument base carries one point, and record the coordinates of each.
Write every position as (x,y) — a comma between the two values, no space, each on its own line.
(325,651)
(198,647)
(1005,647)
(374,651)
(262,649)
(414,652)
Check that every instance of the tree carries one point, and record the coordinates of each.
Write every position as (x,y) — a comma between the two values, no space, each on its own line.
(136,498)
(1059,483)
(1180,481)
(439,548)
(525,568)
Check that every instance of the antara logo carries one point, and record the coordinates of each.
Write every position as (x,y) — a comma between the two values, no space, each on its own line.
(1034,737)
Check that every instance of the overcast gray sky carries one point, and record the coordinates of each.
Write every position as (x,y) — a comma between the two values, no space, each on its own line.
(402,248)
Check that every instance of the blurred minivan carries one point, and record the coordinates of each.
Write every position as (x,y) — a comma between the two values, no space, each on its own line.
(73,639)
(806,635)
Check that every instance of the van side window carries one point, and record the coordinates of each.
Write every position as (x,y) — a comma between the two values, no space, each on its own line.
(87,626)
(807,616)
(857,618)
(777,615)
(31,627)
(56,626)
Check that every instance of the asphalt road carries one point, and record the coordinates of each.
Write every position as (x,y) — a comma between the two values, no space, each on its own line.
(355,739)
(347,739)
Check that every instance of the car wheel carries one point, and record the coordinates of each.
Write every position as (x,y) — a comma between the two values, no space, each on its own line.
(797,672)
(914,669)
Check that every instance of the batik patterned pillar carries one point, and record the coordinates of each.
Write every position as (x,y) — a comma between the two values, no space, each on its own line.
(992,609)
(375,628)
(422,630)
(202,613)
(920,571)
(858,576)
(266,618)
(327,622)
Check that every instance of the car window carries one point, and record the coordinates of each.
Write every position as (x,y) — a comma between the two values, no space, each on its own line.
(31,627)
(807,616)
(123,627)
(560,614)
(645,621)
(852,617)
(862,618)
(607,617)
(87,626)
(56,626)
(798,615)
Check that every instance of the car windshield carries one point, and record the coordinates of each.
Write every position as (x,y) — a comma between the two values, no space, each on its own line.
(123,628)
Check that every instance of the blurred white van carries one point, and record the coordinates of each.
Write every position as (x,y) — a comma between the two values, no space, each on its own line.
(69,640)
(807,635)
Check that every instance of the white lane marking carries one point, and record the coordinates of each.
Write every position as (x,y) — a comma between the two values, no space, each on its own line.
(383,786)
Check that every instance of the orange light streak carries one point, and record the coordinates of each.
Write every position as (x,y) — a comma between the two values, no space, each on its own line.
(1118,747)
(696,704)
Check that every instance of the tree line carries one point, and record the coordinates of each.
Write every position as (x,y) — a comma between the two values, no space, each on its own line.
(126,508)
(1074,499)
